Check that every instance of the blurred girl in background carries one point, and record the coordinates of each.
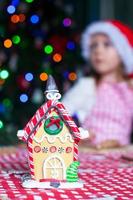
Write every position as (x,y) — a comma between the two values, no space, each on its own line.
(103,102)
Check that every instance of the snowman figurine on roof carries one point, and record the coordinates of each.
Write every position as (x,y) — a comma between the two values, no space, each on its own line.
(52,139)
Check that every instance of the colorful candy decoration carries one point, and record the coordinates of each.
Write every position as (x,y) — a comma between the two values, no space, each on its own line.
(68,149)
(53,149)
(72,172)
(37,149)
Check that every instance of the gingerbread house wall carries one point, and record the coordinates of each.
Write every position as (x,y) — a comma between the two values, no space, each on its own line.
(42,154)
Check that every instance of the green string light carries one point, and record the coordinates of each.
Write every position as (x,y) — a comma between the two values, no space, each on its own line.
(16,39)
(7,102)
(1,124)
(29,1)
(4,74)
(48,49)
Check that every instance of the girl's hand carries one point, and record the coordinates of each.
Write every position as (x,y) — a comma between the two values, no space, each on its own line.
(86,138)
(108,144)
(130,83)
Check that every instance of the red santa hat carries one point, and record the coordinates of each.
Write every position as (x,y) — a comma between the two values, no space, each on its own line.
(120,35)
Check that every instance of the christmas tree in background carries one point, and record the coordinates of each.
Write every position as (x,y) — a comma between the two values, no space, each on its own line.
(38,38)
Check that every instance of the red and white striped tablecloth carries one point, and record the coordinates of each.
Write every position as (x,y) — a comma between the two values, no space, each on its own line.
(105,177)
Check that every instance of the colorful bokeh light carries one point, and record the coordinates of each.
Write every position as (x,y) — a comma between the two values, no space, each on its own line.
(67,22)
(2,81)
(14,19)
(4,74)
(71,45)
(72,76)
(7,102)
(65,74)
(34,19)
(2,108)
(15,2)
(29,1)
(43,76)
(23,98)
(11,9)
(48,49)
(16,39)
(1,124)
(57,57)
(7,43)
(29,77)
(22,17)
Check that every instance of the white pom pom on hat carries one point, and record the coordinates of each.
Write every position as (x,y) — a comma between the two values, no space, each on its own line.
(121,36)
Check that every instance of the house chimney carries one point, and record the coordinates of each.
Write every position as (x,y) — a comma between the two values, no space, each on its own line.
(52,91)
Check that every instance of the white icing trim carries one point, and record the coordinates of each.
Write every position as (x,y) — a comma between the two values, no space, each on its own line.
(38,115)
(118,38)
(47,91)
(84,134)
(66,185)
(51,138)
(53,96)
(30,126)
(54,166)
(12,171)
(20,134)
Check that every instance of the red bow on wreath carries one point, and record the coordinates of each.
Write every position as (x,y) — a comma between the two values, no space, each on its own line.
(53,121)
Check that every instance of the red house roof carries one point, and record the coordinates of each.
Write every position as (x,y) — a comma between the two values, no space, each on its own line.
(42,112)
